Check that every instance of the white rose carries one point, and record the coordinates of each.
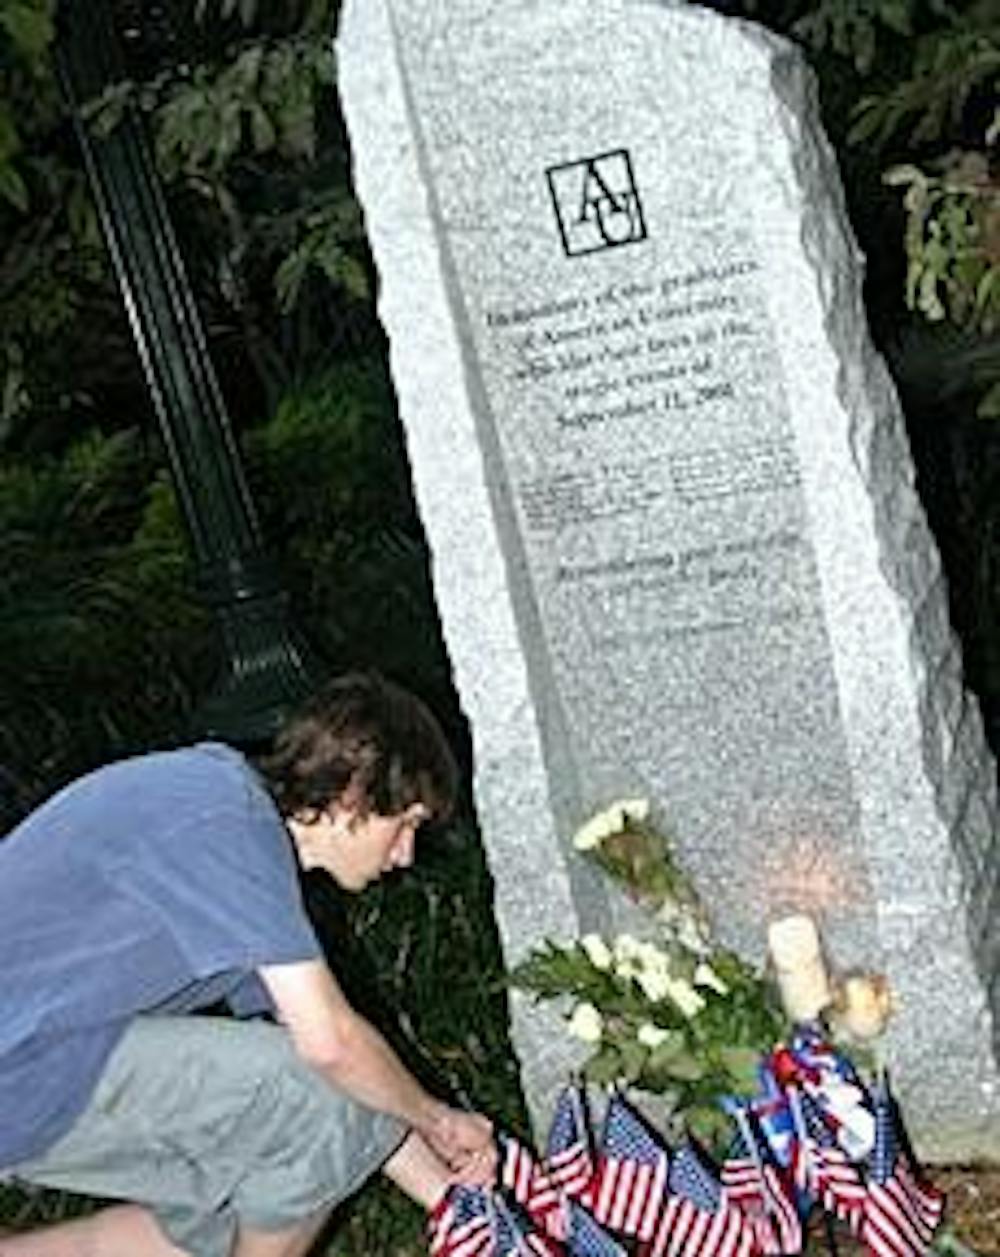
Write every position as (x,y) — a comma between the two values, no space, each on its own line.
(652,1036)
(705,975)
(685,997)
(597,951)
(626,947)
(593,832)
(611,820)
(653,957)
(586,1023)
(655,983)
(691,935)
(632,809)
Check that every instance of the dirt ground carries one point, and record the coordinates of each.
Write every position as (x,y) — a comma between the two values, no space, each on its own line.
(972,1212)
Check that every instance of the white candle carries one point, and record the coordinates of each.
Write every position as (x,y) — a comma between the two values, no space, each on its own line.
(798,964)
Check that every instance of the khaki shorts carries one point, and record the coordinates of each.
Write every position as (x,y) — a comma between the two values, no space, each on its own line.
(214,1124)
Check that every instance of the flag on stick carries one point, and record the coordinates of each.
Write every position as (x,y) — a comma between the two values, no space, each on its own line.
(569,1160)
(771,1111)
(822,1169)
(631,1177)
(532,1187)
(900,1212)
(514,1235)
(754,1185)
(587,1239)
(461,1224)
(697,1220)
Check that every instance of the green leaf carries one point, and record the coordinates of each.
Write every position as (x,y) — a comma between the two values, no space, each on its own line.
(903,176)
(741,1063)
(13,188)
(29,28)
(685,1067)
(632,1057)
(710,1125)
(262,130)
(987,288)
(604,1067)
(897,16)
(989,407)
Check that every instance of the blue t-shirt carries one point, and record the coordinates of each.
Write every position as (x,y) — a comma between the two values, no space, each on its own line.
(158,884)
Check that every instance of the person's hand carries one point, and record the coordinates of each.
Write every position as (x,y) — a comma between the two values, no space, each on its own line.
(464,1141)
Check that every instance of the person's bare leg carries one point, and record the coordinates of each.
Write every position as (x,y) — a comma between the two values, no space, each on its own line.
(118,1231)
(294,1241)
(418,1171)
(131,1231)
(413,1167)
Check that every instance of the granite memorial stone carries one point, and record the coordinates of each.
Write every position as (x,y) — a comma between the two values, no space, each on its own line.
(668,493)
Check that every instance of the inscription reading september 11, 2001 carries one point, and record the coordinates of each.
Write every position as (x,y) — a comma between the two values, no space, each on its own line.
(669,470)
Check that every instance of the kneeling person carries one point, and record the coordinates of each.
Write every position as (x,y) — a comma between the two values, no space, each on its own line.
(162,884)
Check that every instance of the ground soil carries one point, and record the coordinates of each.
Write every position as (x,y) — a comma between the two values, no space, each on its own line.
(972,1212)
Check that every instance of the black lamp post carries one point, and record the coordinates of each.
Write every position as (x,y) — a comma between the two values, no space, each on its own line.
(267,667)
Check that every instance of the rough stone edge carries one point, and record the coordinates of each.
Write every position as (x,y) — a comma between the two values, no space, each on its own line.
(472,588)
(952,743)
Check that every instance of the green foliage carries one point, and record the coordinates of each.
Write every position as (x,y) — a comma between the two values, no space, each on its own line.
(322,247)
(29,28)
(329,474)
(953,241)
(26,33)
(851,28)
(949,63)
(241,128)
(678,1016)
(95,599)
(946,67)
(263,99)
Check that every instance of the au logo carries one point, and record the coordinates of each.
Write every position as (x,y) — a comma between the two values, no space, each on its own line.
(596,202)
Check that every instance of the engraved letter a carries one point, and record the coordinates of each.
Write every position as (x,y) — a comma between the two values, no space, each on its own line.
(606,206)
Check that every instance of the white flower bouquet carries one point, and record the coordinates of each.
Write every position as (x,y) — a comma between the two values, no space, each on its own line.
(674,1013)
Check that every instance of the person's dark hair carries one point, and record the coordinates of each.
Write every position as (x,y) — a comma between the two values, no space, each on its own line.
(364,733)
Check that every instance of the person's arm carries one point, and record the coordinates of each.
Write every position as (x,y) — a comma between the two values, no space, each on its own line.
(347,1049)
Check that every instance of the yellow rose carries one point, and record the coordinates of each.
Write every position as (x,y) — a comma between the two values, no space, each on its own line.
(862,1005)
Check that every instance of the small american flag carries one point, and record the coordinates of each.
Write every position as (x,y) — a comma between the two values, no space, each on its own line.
(755,1186)
(514,1235)
(822,1169)
(586,1238)
(770,1109)
(818,1056)
(900,1212)
(569,1161)
(461,1225)
(631,1177)
(531,1186)
(697,1221)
